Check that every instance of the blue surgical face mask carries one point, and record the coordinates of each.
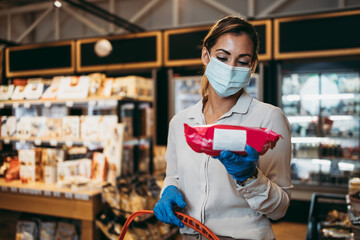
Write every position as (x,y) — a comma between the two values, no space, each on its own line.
(225,79)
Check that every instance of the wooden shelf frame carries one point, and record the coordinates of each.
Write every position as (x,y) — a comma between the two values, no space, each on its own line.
(49,200)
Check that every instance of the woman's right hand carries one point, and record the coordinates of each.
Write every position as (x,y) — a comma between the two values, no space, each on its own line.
(163,209)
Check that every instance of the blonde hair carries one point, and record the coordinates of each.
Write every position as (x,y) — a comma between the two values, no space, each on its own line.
(229,24)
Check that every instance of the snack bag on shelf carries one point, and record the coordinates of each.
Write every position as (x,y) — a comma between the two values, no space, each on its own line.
(8,126)
(132,86)
(212,139)
(38,127)
(47,230)
(19,93)
(96,81)
(66,231)
(74,87)
(52,91)
(30,165)
(33,90)
(13,172)
(6,91)
(71,127)
(23,127)
(26,230)
(54,127)
(89,128)
(99,167)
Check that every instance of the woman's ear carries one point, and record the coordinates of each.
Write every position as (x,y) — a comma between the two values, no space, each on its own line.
(205,56)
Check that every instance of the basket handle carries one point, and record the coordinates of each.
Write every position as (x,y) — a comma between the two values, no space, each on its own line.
(187,220)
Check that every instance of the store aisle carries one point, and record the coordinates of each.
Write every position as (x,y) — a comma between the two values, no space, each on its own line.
(289,230)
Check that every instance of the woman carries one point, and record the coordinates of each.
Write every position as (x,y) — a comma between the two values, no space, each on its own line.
(233,195)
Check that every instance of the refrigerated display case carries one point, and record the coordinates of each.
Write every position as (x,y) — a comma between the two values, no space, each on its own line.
(323,110)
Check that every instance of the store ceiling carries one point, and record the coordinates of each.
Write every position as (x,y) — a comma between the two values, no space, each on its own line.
(6,4)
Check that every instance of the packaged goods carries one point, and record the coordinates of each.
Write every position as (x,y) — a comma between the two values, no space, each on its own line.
(6,92)
(19,93)
(71,127)
(74,87)
(52,91)
(34,90)
(212,139)
(132,86)
(8,126)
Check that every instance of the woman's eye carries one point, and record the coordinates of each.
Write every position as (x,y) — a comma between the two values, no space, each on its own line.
(243,63)
(222,59)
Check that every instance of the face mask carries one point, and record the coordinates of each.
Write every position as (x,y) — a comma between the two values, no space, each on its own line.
(225,79)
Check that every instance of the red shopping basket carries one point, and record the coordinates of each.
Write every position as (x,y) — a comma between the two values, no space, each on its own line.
(187,220)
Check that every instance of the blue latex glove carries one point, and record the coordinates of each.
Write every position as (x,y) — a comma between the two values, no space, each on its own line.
(240,167)
(163,209)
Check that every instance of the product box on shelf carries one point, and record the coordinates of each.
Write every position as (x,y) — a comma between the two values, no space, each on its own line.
(6,91)
(99,167)
(74,87)
(73,168)
(89,128)
(8,126)
(19,93)
(54,127)
(113,152)
(133,86)
(38,127)
(33,90)
(147,121)
(23,127)
(71,127)
(127,118)
(96,82)
(106,124)
(51,92)
(106,87)
(30,165)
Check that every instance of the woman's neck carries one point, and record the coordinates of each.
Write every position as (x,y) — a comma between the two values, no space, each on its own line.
(216,106)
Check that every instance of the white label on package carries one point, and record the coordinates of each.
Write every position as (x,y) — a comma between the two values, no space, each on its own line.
(229,139)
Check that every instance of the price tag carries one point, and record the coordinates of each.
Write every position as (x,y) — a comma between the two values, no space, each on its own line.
(101,103)
(92,103)
(56,194)
(2,105)
(27,105)
(6,140)
(16,105)
(79,196)
(69,195)
(69,103)
(69,143)
(14,189)
(37,142)
(47,193)
(47,104)
(53,142)
(4,188)
(37,192)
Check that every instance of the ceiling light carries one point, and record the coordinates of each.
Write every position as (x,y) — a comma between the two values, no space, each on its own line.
(57,3)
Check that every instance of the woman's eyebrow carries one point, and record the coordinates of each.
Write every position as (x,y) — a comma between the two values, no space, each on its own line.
(227,52)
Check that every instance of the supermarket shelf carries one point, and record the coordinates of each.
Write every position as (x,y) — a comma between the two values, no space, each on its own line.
(70,102)
(303,192)
(47,199)
(51,141)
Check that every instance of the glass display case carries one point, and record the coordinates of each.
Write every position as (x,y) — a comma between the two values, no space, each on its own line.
(323,109)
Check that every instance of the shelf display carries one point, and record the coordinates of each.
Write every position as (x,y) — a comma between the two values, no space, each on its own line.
(323,109)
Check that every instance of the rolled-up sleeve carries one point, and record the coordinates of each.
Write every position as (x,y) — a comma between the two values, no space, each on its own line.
(270,193)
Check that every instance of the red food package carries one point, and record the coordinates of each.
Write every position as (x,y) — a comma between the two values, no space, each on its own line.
(212,139)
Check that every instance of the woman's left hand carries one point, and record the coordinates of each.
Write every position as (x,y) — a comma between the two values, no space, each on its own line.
(240,167)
